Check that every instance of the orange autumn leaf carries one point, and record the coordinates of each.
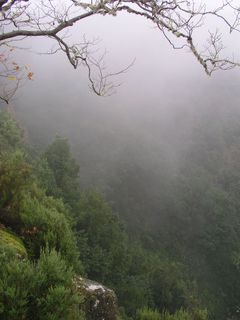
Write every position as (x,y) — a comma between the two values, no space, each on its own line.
(30,75)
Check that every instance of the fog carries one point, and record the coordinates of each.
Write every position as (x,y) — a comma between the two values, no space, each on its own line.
(145,131)
(163,150)
(160,97)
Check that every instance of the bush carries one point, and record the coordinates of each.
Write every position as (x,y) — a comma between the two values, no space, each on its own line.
(148,314)
(10,133)
(15,178)
(10,241)
(41,290)
(45,223)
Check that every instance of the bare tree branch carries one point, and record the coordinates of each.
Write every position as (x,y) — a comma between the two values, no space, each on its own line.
(178,20)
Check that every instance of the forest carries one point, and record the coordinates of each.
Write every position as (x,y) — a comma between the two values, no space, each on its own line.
(169,255)
(130,191)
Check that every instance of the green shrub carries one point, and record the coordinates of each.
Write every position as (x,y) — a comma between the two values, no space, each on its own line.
(15,280)
(9,240)
(15,178)
(41,290)
(65,171)
(45,223)
(148,314)
(10,133)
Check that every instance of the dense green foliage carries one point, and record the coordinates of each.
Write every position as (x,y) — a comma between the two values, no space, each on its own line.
(10,242)
(148,314)
(191,212)
(40,286)
(40,290)
(65,171)
(171,252)
(10,134)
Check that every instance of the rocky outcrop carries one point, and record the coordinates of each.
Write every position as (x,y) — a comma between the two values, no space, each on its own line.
(100,302)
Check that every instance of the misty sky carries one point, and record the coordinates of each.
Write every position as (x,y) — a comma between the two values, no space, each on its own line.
(160,74)
(161,82)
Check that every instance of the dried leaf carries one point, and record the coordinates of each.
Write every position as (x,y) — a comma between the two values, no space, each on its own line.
(12,78)
(30,75)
